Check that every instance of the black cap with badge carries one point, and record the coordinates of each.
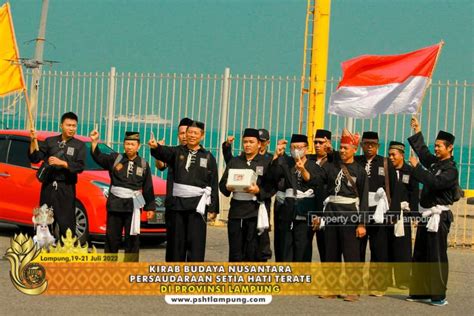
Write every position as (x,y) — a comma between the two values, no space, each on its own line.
(263,135)
(132,136)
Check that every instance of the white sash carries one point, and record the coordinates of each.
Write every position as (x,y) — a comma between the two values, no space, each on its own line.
(382,205)
(138,203)
(188,191)
(280,197)
(337,199)
(433,213)
(399,226)
(290,193)
(262,217)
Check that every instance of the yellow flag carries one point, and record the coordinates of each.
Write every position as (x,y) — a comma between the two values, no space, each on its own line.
(11,75)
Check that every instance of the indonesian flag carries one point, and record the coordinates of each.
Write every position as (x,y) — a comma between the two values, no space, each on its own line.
(374,84)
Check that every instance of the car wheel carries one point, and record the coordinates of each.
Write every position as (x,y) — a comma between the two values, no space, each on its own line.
(82,223)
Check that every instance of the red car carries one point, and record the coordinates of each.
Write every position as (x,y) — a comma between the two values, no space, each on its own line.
(20,190)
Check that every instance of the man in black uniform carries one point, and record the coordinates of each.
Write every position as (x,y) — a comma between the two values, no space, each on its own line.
(376,168)
(131,188)
(182,127)
(440,191)
(345,210)
(301,179)
(194,193)
(322,145)
(245,207)
(404,194)
(64,158)
(263,239)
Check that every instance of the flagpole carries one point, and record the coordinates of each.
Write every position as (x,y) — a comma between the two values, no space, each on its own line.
(30,117)
(418,112)
(441,44)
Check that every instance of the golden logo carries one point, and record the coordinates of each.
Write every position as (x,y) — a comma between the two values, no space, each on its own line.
(28,278)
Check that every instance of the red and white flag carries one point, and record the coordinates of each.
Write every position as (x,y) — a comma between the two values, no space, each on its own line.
(374,84)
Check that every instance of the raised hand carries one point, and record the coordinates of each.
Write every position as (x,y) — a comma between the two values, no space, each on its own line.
(152,142)
(415,124)
(94,136)
(280,150)
(230,140)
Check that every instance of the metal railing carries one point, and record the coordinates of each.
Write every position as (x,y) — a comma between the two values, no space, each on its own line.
(146,102)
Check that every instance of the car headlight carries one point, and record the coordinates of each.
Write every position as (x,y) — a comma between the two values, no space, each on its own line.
(104,187)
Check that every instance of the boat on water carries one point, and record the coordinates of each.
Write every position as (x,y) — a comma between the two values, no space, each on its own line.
(145,119)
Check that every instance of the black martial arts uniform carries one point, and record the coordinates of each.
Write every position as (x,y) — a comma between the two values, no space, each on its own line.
(59,188)
(295,231)
(377,233)
(403,188)
(320,194)
(242,224)
(187,228)
(430,258)
(263,240)
(134,175)
(343,219)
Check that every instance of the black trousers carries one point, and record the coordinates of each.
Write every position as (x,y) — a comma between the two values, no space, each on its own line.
(169,240)
(319,242)
(341,242)
(400,254)
(379,273)
(62,198)
(187,236)
(118,222)
(296,241)
(430,260)
(277,232)
(264,250)
(242,236)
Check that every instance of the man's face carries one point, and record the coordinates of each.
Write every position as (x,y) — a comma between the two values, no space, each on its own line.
(301,148)
(264,145)
(69,128)
(194,135)
(251,145)
(320,145)
(370,147)
(347,151)
(131,147)
(182,135)
(441,150)
(396,157)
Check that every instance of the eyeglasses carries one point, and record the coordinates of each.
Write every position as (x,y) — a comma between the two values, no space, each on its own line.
(320,142)
(62,144)
(366,143)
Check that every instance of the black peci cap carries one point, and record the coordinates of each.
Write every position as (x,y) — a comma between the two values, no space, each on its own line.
(299,138)
(442,135)
(321,133)
(250,132)
(397,145)
(197,124)
(132,136)
(185,122)
(370,135)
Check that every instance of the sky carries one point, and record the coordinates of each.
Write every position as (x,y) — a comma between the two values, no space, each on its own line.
(262,37)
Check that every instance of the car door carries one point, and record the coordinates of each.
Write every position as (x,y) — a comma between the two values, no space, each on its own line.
(20,190)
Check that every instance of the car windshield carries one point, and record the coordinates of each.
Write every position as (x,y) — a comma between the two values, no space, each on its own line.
(90,163)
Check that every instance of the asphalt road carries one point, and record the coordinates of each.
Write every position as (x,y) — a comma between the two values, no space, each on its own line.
(12,302)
